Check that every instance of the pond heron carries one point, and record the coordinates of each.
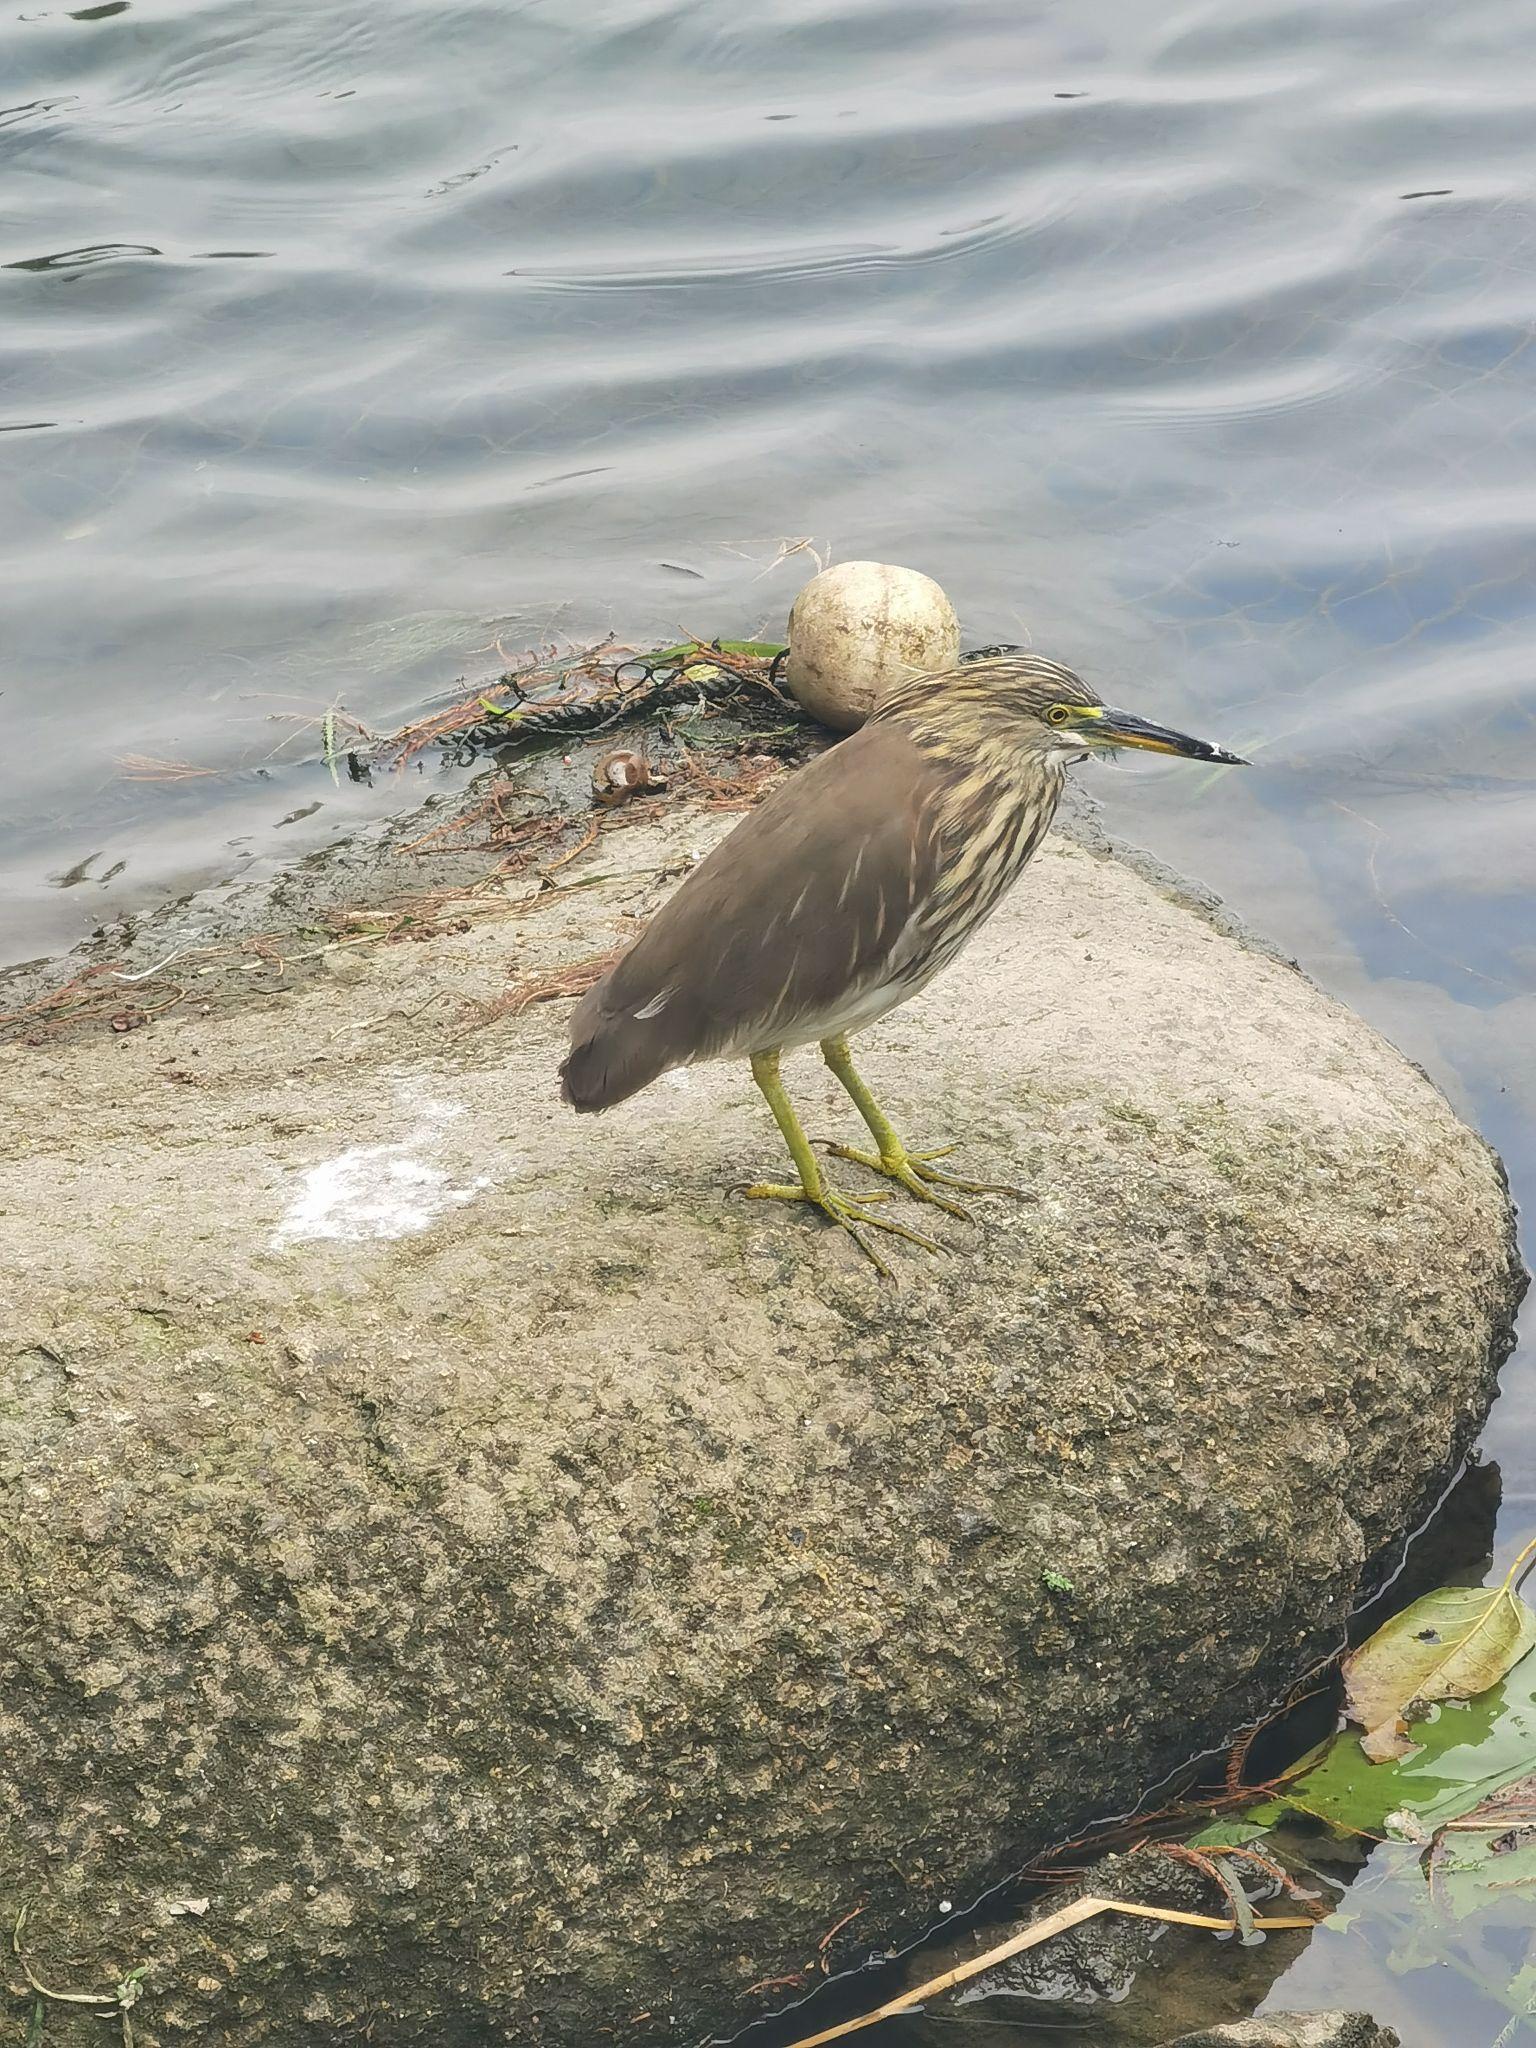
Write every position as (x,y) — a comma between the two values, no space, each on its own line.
(845,892)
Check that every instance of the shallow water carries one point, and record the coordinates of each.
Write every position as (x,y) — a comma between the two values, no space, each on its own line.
(1194,345)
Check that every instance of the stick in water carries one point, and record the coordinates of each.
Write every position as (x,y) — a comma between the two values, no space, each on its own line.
(1039,1930)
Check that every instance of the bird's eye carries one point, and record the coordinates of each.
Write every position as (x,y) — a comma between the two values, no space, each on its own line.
(1058,714)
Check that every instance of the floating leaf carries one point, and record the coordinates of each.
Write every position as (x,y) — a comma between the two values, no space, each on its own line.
(1466,1756)
(1454,1644)
(1512,1806)
(1264,1814)
(1520,1997)
(1234,1833)
(1471,1871)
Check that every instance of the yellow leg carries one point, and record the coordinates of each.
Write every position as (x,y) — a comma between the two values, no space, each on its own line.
(851,1212)
(911,1169)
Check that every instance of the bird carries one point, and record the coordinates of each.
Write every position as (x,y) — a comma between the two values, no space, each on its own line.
(855,882)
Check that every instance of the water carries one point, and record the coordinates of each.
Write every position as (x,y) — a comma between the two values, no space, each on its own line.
(337,346)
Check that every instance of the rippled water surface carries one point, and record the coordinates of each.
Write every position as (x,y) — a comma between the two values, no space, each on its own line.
(1195,344)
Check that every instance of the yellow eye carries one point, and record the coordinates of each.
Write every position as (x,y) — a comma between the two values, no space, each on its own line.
(1058,714)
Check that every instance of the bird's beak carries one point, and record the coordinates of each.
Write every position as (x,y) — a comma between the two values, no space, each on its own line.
(1125,729)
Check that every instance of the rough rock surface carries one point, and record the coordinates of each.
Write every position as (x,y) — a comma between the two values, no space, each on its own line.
(462,1577)
(1295,2030)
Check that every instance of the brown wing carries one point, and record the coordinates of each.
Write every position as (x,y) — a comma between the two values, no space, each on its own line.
(800,904)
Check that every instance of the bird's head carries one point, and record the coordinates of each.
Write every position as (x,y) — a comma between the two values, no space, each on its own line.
(1031,705)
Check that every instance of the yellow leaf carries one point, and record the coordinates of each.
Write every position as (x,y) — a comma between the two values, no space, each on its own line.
(1452,1645)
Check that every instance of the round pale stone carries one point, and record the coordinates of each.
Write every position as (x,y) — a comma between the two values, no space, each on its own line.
(860,627)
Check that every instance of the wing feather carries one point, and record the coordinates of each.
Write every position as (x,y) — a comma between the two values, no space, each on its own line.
(801,906)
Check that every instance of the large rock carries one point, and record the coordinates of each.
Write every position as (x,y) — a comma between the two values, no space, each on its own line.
(527,1594)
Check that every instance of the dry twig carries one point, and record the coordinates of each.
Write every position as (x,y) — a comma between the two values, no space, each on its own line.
(563,984)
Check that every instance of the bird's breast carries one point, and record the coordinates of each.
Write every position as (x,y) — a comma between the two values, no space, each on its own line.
(989,831)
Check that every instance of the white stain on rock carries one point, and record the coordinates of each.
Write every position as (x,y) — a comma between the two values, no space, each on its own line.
(381,1191)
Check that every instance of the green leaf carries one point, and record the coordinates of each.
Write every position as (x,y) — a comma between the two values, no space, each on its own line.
(1454,1644)
(758,650)
(1520,1996)
(1512,1806)
(1233,1834)
(1264,1813)
(1471,1872)
(1465,1755)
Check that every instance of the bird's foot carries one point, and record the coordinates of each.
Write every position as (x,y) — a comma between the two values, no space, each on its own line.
(913,1172)
(849,1212)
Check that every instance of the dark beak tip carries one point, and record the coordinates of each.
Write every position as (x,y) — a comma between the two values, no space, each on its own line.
(1129,730)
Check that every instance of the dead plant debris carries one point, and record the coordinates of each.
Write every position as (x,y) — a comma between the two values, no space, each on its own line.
(563,984)
(554,694)
(521,832)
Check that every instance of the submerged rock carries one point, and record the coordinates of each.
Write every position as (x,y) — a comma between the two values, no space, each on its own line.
(1295,2030)
(529,1595)
(1115,1978)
